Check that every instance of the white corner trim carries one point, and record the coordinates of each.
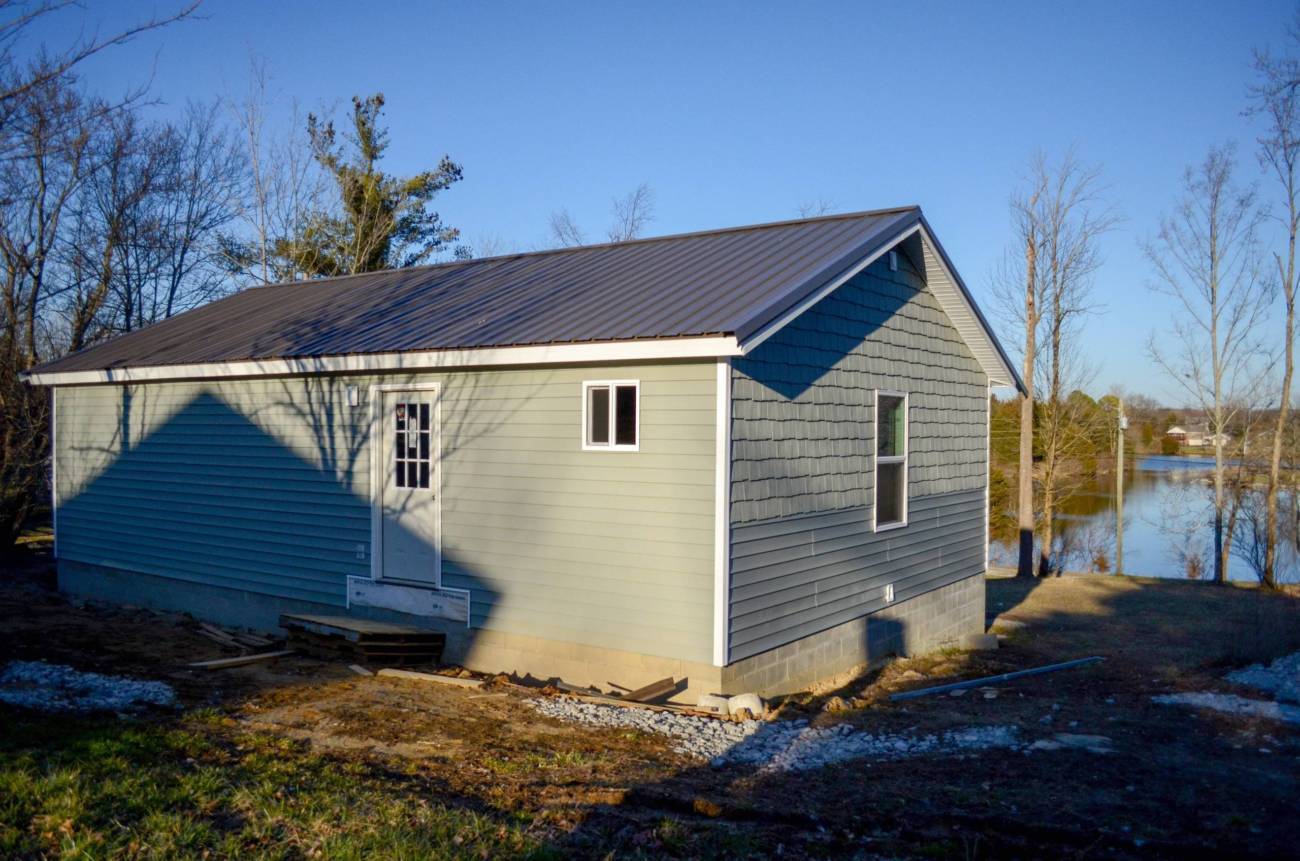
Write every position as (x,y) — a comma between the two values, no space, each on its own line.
(988,468)
(647,349)
(781,322)
(722,517)
(379,473)
(54,468)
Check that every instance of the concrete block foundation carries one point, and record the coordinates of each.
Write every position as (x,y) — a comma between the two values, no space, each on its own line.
(923,623)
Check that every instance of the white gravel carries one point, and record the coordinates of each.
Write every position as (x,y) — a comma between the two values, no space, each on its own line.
(780,745)
(1233,704)
(1280,678)
(55,687)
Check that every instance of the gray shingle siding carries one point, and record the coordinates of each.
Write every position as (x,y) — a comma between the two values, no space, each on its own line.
(804,557)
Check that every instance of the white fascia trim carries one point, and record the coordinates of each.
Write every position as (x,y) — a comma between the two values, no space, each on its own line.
(722,517)
(996,369)
(548,354)
(781,322)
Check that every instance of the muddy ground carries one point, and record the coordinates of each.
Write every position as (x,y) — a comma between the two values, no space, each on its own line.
(1176,784)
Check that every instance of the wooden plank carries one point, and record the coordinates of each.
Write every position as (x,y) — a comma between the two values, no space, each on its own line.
(349,625)
(223,663)
(663,687)
(218,638)
(389,672)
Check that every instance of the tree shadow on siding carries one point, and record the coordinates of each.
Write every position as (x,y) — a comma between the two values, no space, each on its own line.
(210,497)
(831,336)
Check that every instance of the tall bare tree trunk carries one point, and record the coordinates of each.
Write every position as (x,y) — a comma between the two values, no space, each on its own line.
(1277,98)
(1284,406)
(1025,567)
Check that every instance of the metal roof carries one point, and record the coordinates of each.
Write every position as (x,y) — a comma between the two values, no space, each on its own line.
(719,282)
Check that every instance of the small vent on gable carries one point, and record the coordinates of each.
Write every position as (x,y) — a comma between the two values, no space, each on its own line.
(893,261)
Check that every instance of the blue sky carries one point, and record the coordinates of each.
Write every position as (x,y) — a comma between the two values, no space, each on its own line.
(738,113)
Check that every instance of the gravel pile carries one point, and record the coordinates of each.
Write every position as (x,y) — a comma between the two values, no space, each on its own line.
(778,746)
(54,687)
(1280,678)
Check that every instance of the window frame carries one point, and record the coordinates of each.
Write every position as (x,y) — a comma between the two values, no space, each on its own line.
(612,385)
(876,459)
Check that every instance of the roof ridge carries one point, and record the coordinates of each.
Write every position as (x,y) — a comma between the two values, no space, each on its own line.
(568,249)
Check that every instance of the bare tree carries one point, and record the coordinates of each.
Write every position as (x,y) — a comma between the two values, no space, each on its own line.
(17,17)
(565,232)
(1020,296)
(1204,258)
(1276,97)
(816,208)
(1071,219)
(492,245)
(283,184)
(632,212)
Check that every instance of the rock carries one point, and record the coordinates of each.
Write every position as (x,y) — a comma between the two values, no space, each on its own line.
(989,693)
(1090,743)
(835,704)
(713,703)
(753,702)
(960,692)
(979,642)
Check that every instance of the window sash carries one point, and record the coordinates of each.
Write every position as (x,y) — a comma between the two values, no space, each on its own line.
(898,432)
(611,415)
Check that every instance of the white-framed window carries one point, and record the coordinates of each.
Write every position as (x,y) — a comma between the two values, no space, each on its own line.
(890,509)
(611,415)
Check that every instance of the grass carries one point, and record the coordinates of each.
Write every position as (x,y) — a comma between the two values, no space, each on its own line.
(73,788)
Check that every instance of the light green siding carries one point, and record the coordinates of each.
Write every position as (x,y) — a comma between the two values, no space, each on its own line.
(264,485)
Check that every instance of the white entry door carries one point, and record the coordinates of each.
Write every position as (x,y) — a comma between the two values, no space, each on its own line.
(409,503)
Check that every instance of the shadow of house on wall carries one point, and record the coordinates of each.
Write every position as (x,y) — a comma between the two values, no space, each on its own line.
(803,434)
(206,497)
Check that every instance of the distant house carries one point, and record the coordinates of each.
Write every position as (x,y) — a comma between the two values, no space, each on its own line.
(751,457)
(1199,438)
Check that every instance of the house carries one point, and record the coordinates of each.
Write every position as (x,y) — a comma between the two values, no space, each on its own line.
(1198,438)
(750,457)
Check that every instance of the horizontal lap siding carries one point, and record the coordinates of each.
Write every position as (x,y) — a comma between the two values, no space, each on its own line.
(263,485)
(804,557)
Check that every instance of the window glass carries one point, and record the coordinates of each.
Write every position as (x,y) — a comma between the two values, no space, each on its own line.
(625,416)
(598,415)
(889,493)
(890,424)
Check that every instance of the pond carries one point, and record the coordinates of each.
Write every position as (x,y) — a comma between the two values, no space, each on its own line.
(1168,524)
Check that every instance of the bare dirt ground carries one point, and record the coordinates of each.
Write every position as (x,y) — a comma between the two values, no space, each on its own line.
(1175,784)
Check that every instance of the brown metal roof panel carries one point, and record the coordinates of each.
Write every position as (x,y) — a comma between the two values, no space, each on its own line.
(693,284)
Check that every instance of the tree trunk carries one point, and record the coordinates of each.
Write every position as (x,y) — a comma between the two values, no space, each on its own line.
(1025,568)
(1220,547)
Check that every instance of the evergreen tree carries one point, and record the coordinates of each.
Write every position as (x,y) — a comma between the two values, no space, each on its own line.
(382,221)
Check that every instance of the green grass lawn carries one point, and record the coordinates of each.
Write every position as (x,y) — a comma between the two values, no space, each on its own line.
(79,788)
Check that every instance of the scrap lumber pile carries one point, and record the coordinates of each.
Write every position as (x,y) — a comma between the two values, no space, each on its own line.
(363,640)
